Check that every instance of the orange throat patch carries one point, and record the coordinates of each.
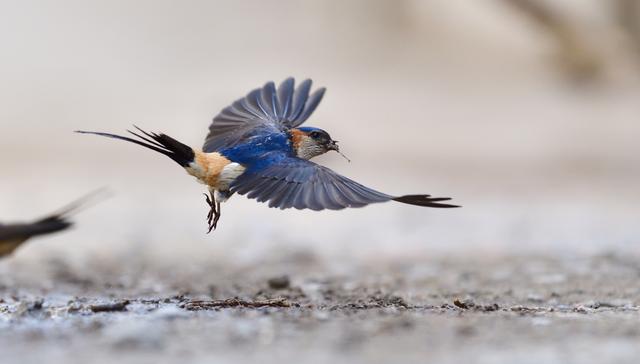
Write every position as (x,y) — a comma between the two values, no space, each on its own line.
(296,138)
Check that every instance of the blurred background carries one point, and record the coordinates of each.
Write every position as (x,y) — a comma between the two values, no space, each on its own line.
(526,112)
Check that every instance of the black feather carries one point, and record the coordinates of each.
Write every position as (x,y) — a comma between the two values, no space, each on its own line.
(24,231)
(13,235)
(161,143)
(425,200)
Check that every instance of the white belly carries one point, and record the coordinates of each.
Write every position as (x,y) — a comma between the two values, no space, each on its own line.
(228,174)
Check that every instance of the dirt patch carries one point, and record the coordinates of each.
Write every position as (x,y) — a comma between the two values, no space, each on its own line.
(545,309)
(195,305)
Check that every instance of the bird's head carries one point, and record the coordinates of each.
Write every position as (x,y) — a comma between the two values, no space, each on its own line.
(308,142)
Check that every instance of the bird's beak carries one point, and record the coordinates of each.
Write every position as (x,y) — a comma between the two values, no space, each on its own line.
(333,145)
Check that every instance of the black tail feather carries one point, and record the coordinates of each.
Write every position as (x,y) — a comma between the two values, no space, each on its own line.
(49,225)
(425,200)
(59,220)
(161,143)
(22,232)
(53,222)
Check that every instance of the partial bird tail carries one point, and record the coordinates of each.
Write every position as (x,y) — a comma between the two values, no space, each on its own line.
(59,219)
(50,224)
(425,200)
(161,143)
(53,222)
(11,236)
(82,203)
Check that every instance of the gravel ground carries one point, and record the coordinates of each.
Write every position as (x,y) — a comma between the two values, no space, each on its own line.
(547,172)
(500,310)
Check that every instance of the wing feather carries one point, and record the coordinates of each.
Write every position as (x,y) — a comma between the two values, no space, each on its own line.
(286,182)
(285,96)
(310,107)
(269,100)
(300,97)
(263,110)
(271,190)
(260,187)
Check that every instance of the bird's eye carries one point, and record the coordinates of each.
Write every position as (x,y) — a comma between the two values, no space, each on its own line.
(314,134)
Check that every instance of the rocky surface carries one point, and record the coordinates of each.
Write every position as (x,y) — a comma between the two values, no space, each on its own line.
(500,310)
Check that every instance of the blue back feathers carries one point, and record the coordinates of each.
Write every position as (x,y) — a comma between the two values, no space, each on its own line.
(256,148)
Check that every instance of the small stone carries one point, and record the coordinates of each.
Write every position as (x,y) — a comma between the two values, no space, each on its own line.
(279,282)
(465,305)
(110,307)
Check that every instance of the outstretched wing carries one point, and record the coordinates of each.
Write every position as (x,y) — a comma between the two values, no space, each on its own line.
(292,182)
(263,110)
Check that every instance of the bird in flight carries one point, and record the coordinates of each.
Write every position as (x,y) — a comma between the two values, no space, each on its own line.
(14,235)
(258,148)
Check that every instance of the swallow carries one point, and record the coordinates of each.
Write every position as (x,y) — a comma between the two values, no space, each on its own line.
(258,148)
(14,235)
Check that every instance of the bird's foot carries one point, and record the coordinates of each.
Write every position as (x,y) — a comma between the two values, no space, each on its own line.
(217,215)
(214,212)
(211,205)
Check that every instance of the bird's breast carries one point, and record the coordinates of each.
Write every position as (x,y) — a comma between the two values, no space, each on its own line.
(214,170)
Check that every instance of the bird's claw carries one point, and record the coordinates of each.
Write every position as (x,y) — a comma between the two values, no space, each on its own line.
(209,202)
(214,212)
(217,217)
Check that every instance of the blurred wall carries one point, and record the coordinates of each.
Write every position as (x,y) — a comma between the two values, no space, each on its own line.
(526,114)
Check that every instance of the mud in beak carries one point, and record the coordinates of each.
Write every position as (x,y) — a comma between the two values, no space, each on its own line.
(333,145)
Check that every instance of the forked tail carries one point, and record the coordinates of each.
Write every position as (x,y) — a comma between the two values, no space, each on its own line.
(425,200)
(161,143)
